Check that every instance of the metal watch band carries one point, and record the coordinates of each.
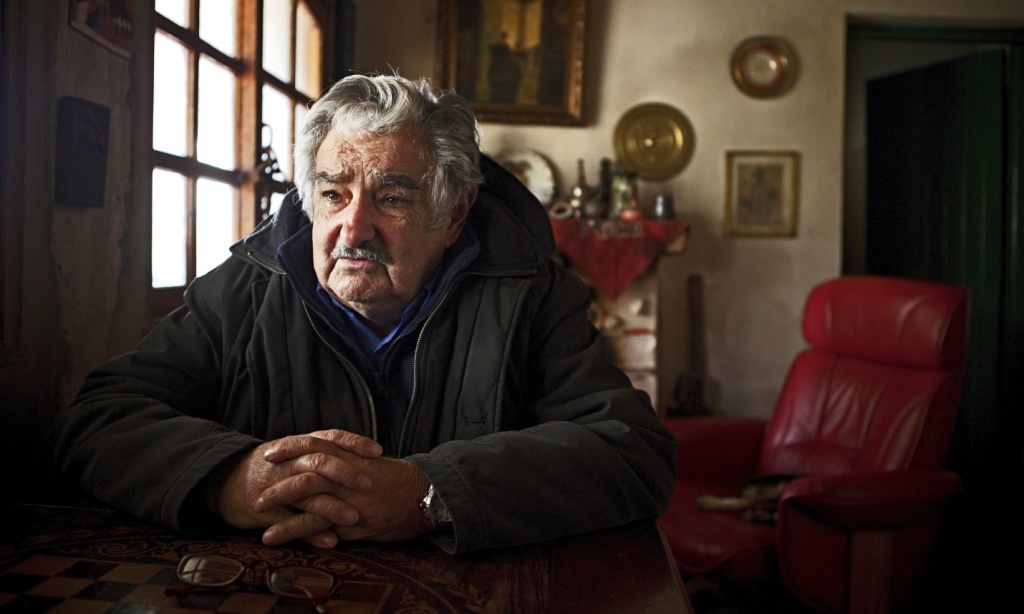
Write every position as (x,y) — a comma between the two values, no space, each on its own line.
(435,510)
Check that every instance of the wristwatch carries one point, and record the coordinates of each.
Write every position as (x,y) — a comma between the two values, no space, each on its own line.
(435,510)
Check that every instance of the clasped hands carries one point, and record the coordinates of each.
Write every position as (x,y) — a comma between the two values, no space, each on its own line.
(322,488)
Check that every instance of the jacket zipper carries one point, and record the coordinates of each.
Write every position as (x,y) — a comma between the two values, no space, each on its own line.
(352,369)
(341,357)
(270,267)
(416,365)
(416,349)
(419,339)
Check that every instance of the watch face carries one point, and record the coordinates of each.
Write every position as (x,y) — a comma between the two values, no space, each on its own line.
(434,509)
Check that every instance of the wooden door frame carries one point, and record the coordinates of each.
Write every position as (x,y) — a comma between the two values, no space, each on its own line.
(12,136)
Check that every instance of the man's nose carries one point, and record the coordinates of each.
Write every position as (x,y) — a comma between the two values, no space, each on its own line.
(358,219)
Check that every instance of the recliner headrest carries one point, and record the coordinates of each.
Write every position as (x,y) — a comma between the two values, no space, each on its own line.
(906,322)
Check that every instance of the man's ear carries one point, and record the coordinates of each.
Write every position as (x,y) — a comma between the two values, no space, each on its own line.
(460,212)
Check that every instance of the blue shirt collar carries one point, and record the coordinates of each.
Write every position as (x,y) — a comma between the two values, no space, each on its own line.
(367,340)
(456,259)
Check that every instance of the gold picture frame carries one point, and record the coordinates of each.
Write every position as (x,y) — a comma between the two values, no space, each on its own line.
(516,62)
(761,193)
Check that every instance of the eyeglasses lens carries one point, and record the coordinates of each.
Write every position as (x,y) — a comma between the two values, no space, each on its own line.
(215,571)
(300,582)
(209,570)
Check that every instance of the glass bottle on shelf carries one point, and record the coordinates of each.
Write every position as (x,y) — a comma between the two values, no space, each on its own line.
(623,191)
(606,181)
(580,192)
(594,205)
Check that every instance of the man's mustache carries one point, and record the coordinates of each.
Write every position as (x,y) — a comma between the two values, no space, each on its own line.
(367,252)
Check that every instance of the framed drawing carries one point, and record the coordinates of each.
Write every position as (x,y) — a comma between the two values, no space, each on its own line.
(516,61)
(761,193)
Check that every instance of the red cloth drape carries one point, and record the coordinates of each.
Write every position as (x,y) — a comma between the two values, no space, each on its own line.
(614,253)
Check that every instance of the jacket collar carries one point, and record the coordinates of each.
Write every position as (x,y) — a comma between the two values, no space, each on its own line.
(512,225)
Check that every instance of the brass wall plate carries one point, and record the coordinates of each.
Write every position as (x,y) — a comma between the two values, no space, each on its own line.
(654,140)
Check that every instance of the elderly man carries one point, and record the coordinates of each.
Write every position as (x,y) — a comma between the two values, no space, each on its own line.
(400,356)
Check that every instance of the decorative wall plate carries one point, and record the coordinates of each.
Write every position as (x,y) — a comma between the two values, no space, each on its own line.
(533,170)
(763,66)
(654,140)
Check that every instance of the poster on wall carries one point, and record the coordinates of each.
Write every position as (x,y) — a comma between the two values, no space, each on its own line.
(108,22)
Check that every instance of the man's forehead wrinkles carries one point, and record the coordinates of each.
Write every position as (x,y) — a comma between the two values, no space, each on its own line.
(380,178)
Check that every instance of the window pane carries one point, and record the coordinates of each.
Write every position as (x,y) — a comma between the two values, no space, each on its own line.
(217,23)
(277,38)
(170,95)
(169,260)
(308,45)
(215,143)
(175,10)
(215,223)
(277,114)
(276,200)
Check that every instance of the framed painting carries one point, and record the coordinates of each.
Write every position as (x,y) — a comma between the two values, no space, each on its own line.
(108,23)
(516,61)
(761,193)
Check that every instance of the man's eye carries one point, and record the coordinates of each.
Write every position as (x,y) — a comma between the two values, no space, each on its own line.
(330,195)
(394,200)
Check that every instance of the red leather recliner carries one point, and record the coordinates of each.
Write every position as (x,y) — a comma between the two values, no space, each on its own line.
(865,417)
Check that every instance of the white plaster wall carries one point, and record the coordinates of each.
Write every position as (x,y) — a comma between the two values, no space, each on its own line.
(677,52)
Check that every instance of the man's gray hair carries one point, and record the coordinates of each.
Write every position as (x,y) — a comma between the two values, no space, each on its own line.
(382,104)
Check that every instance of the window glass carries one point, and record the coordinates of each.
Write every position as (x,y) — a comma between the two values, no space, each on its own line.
(277,38)
(175,10)
(170,95)
(170,230)
(276,199)
(215,141)
(277,115)
(215,223)
(217,23)
(207,115)
(308,45)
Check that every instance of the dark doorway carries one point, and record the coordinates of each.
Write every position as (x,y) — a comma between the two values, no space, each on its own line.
(943,168)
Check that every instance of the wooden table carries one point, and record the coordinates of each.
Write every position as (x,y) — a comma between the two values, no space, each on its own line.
(83,559)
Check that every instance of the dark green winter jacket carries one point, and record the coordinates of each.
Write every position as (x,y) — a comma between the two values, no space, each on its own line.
(517,416)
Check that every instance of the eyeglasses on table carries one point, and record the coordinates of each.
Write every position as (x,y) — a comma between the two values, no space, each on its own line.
(217,572)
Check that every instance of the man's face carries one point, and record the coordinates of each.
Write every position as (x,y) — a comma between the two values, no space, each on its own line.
(372,248)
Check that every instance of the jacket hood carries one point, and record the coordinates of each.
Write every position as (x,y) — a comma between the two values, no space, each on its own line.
(511,223)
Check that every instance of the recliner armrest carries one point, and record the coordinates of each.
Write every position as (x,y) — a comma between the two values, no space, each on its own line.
(717,450)
(859,542)
(872,500)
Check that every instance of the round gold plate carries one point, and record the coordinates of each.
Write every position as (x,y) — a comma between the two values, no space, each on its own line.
(654,140)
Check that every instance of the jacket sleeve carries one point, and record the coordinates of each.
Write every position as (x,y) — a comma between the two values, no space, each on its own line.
(597,457)
(144,431)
